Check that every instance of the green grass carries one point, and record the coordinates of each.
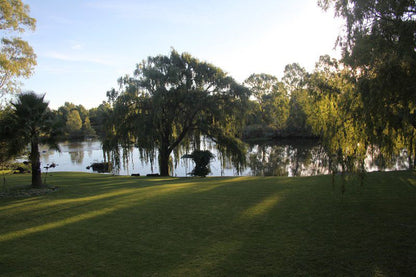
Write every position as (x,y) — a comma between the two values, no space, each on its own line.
(100,225)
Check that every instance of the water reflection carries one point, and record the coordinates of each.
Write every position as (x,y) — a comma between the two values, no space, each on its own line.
(281,158)
(77,157)
(287,158)
(377,160)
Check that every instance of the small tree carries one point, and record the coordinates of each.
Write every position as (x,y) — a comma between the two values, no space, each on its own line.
(30,122)
(201,159)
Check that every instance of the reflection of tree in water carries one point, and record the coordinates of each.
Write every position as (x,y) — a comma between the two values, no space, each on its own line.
(383,160)
(269,161)
(300,157)
(77,157)
(76,151)
(304,157)
(45,155)
(295,158)
(319,163)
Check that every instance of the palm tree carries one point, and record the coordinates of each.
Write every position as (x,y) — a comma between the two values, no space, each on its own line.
(31,123)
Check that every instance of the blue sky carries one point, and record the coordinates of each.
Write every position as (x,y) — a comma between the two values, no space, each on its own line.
(84,46)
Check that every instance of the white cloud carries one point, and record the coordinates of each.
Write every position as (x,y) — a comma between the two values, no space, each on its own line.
(156,11)
(76,46)
(78,58)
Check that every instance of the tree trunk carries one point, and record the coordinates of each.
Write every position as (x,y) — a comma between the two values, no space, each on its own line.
(412,155)
(35,160)
(164,156)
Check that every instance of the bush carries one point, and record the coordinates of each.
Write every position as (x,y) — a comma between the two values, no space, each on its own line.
(202,159)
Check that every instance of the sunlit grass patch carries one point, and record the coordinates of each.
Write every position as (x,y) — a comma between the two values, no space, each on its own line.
(103,225)
(261,208)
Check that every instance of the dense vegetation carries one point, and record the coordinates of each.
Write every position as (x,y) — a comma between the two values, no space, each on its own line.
(101,225)
(28,122)
(362,104)
(94,225)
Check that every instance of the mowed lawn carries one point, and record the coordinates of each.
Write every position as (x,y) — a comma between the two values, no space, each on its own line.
(101,225)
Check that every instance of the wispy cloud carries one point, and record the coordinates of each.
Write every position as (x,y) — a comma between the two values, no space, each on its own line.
(147,10)
(60,20)
(62,69)
(78,58)
(76,46)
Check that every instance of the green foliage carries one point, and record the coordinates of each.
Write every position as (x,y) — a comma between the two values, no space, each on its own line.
(299,105)
(30,122)
(74,123)
(271,97)
(281,106)
(5,154)
(172,101)
(99,116)
(87,129)
(379,44)
(295,80)
(17,58)
(76,120)
(202,159)
(336,116)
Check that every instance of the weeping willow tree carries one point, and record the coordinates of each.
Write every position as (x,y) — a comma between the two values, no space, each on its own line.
(171,102)
(379,43)
(337,117)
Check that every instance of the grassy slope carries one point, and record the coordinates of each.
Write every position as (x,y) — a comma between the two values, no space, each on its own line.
(99,225)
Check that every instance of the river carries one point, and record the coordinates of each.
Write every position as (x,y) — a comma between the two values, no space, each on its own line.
(284,158)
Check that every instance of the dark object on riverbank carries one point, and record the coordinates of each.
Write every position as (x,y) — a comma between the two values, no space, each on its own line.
(20,170)
(52,165)
(101,167)
(153,175)
(135,174)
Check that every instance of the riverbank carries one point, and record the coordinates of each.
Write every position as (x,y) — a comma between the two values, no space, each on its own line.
(96,225)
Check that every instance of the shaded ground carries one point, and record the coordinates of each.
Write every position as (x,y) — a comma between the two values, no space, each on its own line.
(100,225)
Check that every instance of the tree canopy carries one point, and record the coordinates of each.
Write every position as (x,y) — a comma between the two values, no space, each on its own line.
(29,122)
(379,44)
(171,102)
(17,58)
(271,97)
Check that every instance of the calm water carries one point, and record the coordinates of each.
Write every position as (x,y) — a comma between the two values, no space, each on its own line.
(290,158)
(76,156)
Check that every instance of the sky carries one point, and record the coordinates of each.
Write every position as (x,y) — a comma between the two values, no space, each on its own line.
(84,46)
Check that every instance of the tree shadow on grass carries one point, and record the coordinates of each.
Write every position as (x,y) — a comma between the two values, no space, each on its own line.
(221,227)
(308,235)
